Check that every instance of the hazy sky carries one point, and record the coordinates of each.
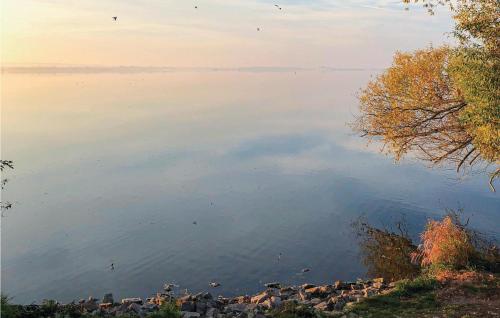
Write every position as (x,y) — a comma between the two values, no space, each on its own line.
(220,33)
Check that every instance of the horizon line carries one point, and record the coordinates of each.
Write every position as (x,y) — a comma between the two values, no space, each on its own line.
(55,68)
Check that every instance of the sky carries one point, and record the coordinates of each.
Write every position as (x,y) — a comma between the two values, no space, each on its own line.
(219,33)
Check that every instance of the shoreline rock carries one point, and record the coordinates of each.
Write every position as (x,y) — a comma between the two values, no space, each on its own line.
(327,299)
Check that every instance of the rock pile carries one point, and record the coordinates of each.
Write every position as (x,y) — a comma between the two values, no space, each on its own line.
(328,299)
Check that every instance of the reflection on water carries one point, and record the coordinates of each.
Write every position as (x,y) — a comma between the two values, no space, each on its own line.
(117,168)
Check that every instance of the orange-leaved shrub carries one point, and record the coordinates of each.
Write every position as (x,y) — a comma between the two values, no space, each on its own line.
(446,242)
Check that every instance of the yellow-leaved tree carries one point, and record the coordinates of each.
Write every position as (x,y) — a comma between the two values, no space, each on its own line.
(442,104)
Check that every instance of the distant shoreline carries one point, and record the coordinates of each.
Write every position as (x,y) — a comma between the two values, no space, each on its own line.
(66,69)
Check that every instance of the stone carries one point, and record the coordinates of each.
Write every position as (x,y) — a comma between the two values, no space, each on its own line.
(338,306)
(315,301)
(211,313)
(207,296)
(368,292)
(338,302)
(188,314)
(378,285)
(134,300)
(90,305)
(214,304)
(340,285)
(108,298)
(304,296)
(237,307)
(273,285)
(103,306)
(222,299)
(378,280)
(320,291)
(272,302)
(323,306)
(242,299)
(286,292)
(187,306)
(276,301)
(201,307)
(184,298)
(307,286)
(135,307)
(258,299)
(168,287)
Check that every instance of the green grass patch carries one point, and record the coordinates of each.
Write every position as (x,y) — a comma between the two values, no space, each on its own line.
(168,310)
(294,310)
(410,298)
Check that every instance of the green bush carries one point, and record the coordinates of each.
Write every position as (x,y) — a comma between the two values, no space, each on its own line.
(167,310)
(48,308)
(420,284)
(7,309)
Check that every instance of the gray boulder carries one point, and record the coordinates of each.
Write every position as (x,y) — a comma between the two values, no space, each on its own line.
(108,298)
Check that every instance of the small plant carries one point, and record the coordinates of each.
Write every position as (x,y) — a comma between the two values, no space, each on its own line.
(167,310)
(49,308)
(7,309)
(294,310)
(445,242)
(70,310)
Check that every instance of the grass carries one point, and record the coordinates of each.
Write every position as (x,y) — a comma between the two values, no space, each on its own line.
(426,297)
(294,310)
(167,310)
(410,298)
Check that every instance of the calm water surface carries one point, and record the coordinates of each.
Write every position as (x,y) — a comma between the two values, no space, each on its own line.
(115,168)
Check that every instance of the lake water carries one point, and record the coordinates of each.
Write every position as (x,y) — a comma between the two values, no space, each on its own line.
(116,168)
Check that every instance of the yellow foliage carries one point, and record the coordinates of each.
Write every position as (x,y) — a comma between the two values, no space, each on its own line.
(413,106)
(442,104)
